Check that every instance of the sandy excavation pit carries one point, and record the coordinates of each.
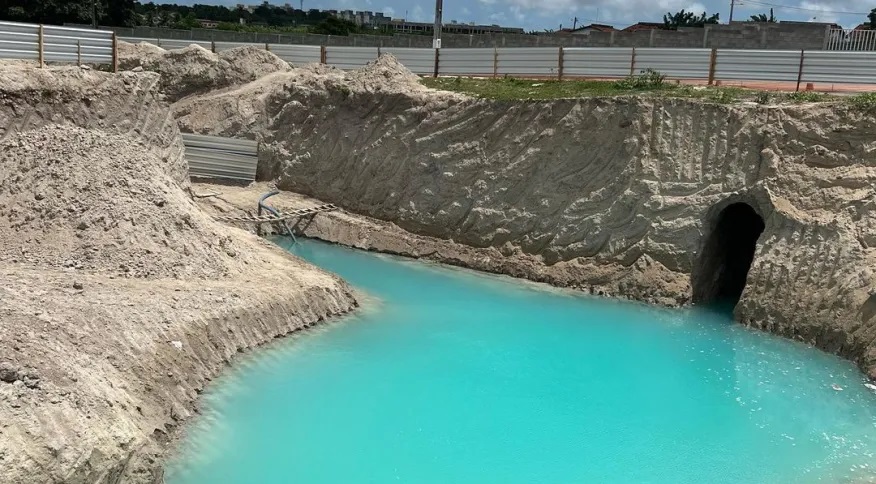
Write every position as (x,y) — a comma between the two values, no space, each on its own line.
(123,297)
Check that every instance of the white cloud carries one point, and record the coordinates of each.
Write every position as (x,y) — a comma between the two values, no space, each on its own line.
(419,15)
(389,11)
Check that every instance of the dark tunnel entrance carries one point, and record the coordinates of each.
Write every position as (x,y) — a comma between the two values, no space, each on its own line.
(726,257)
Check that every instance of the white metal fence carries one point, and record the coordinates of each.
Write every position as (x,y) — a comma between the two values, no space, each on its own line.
(217,157)
(855,40)
(848,62)
(49,43)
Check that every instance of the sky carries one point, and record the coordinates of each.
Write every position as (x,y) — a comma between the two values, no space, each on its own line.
(538,15)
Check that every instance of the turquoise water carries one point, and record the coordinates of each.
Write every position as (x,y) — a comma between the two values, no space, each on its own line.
(448,376)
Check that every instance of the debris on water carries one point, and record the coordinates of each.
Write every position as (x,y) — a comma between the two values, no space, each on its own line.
(836,387)
(870,386)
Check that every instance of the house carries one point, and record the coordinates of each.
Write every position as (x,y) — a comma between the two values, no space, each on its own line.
(586,29)
(640,26)
(208,24)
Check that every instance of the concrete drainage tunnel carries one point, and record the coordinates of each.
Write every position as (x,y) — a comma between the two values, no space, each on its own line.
(726,256)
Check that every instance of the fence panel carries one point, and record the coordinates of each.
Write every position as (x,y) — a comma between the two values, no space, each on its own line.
(63,44)
(418,61)
(599,62)
(218,157)
(19,41)
(297,54)
(853,40)
(466,62)
(349,57)
(674,63)
(839,67)
(528,61)
(757,65)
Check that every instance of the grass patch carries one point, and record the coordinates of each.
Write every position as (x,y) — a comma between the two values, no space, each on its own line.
(864,102)
(649,83)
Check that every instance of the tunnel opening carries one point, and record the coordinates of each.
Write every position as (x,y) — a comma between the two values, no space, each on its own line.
(726,257)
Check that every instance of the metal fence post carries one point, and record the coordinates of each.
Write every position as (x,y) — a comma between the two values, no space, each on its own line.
(560,62)
(322,55)
(633,62)
(712,61)
(78,52)
(800,71)
(40,55)
(115,53)
(437,63)
(495,62)
(213,46)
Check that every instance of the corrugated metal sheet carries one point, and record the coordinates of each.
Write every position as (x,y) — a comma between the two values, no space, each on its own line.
(60,44)
(674,63)
(418,61)
(297,54)
(349,57)
(598,62)
(530,61)
(218,157)
(839,67)
(466,62)
(757,65)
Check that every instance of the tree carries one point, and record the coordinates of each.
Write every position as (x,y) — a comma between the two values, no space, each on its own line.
(334,26)
(872,17)
(687,19)
(762,17)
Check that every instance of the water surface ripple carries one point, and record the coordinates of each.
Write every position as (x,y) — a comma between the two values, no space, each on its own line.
(449,376)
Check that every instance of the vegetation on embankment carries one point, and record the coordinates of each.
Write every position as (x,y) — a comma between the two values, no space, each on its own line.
(648,83)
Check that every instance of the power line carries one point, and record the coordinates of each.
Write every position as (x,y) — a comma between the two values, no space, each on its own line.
(789,7)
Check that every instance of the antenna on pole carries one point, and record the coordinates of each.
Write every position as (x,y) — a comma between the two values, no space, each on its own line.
(732,4)
(574,23)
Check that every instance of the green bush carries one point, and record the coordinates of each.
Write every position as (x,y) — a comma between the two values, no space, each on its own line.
(763,97)
(806,97)
(866,101)
(647,80)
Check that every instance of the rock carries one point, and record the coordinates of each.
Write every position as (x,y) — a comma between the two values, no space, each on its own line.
(78,285)
(137,69)
(85,67)
(177,344)
(8,373)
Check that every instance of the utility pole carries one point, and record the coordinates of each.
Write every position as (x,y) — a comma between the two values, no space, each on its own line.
(94,14)
(732,4)
(439,10)
(574,23)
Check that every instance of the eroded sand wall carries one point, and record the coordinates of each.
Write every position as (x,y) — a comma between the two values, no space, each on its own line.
(120,300)
(601,183)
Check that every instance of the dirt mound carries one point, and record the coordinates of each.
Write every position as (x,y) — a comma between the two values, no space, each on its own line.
(87,199)
(196,70)
(385,74)
(249,63)
(141,54)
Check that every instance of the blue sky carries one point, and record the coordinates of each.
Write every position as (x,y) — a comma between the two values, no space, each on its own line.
(549,14)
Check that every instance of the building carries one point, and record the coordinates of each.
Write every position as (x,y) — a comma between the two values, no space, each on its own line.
(404,27)
(208,24)
(640,26)
(586,29)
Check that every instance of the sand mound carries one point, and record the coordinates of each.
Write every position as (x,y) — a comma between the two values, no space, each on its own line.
(196,70)
(386,74)
(120,211)
(250,62)
(141,54)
